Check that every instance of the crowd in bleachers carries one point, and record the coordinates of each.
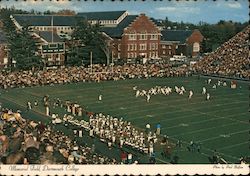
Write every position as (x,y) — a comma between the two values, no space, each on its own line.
(23,141)
(83,74)
(230,59)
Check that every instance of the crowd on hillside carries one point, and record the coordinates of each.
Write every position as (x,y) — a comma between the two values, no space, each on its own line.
(230,59)
(23,141)
(83,74)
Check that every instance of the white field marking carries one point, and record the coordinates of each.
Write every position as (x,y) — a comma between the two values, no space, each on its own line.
(183,124)
(162,107)
(198,112)
(149,115)
(231,146)
(208,149)
(133,98)
(212,138)
(212,115)
(217,117)
(125,95)
(162,161)
(172,112)
(197,122)
(122,108)
(204,129)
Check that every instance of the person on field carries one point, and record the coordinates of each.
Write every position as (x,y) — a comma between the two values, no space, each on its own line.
(147,128)
(204,91)
(148,97)
(190,94)
(137,93)
(100,98)
(28,106)
(208,96)
(209,81)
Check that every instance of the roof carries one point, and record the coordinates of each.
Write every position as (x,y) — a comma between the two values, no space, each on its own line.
(157,22)
(118,30)
(3,38)
(45,20)
(108,15)
(175,35)
(47,35)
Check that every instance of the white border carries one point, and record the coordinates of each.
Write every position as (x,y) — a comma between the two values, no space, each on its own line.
(181,169)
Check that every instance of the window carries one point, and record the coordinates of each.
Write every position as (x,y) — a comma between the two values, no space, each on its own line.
(169,47)
(153,54)
(131,55)
(196,47)
(5,60)
(135,55)
(132,37)
(119,55)
(153,37)
(163,52)
(163,46)
(119,47)
(143,46)
(152,46)
(143,37)
(169,52)
(135,47)
(131,47)
(156,46)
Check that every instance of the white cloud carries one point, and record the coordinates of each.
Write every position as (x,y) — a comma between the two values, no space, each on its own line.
(229,4)
(179,10)
(235,5)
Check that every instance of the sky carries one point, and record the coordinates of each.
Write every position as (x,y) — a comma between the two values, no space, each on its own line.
(187,11)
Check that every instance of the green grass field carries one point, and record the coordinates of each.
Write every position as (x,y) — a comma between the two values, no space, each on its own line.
(221,123)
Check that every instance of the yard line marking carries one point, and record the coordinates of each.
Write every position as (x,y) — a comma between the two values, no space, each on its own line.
(212,138)
(231,146)
(203,129)
(182,117)
(208,149)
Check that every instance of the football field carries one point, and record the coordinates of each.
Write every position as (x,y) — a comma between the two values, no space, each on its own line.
(220,124)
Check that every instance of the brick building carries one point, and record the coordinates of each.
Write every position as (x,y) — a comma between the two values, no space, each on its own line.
(129,36)
(136,36)
(3,50)
(180,42)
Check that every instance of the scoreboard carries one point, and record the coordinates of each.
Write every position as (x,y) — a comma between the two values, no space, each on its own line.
(53,48)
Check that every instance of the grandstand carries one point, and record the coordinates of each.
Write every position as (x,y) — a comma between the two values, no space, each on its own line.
(230,59)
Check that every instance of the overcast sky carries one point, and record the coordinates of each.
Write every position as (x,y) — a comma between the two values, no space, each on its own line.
(187,11)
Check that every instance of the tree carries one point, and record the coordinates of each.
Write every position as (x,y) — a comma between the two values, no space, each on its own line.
(23,50)
(66,12)
(87,38)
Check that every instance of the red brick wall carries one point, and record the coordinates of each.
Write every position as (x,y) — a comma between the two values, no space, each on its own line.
(3,54)
(142,24)
(196,36)
(169,49)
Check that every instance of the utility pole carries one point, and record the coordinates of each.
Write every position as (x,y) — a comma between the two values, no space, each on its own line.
(112,64)
(91,61)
